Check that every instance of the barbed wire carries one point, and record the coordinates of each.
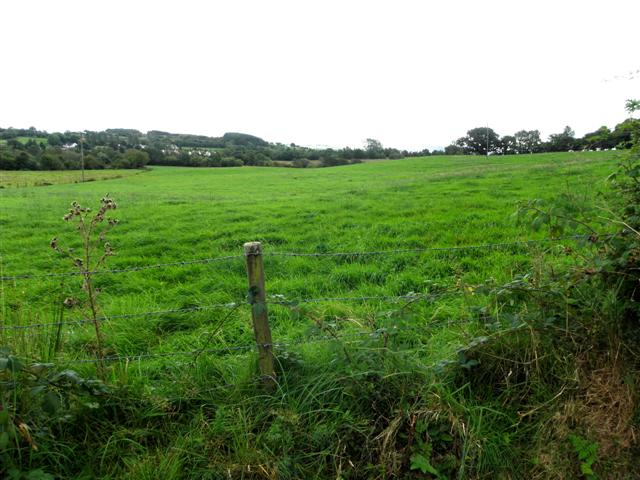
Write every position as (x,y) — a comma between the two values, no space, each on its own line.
(118,358)
(411,296)
(233,348)
(231,305)
(376,333)
(348,338)
(24,276)
(125,315)
(428,249)
(275,299)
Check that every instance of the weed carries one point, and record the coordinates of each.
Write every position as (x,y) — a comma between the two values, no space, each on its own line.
(93,254)
(587,455)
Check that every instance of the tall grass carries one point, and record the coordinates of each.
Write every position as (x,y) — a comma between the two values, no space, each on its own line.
(476,384)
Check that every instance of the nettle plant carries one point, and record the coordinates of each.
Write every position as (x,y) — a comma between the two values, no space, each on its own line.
(92,255)
(617,259)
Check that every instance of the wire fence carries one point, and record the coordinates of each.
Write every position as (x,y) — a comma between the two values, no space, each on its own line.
(431,249)
(412,297)
(99,319)
(202,261)
(276,300)
(232,348)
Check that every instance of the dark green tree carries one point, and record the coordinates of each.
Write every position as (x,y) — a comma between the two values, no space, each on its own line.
(134,158)
(562,142)
(374,148)
(507,145)
(528,141)
(480,141)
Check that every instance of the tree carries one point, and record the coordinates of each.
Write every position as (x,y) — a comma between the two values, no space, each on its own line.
(50,160)
(480,141)
(562,142)
(527,141)
(54,140)
(374,148)
(135,158)
(508,145)
(24,161)
(601,138)
(453,149)
(622,133)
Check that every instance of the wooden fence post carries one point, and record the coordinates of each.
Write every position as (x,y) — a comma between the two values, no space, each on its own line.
(259,314)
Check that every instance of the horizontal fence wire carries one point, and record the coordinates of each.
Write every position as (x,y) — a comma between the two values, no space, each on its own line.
(233,348)
(26,276)
(231,305)
(84,321)
(122,270)
(429,249)
(275,299)
(412,296)
(377,333)
(141,356)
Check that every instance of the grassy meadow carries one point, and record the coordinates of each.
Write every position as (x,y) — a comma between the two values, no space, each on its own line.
(342,407)
(21,179)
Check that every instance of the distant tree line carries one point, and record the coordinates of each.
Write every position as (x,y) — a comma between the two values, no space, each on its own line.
(32,149)
(483,140)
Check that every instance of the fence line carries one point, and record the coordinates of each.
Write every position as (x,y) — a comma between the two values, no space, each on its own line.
(26,276)
(292,303)
(414,296)
(258,300)
(117,358)
(428,249)
(233,348)
(124,315)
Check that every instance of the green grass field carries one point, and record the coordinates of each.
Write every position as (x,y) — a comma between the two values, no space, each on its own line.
(41,140)
(312,428)
(18,179)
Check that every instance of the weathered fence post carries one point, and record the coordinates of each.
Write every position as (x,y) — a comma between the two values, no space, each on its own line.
(259,314)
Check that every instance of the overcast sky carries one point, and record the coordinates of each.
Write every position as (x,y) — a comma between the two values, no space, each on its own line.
(412,74)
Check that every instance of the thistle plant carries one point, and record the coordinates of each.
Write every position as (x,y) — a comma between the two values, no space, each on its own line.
(94,251)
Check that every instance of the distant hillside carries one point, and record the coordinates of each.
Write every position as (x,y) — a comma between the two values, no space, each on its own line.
(32,149)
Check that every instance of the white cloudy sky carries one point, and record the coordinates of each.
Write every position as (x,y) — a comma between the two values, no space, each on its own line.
(412,74)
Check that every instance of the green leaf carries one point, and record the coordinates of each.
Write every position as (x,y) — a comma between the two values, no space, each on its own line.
(39,475)
(14,473)
(585,468)
(37,390)
(4,417)
(4,440)
(39,368)
(50,403)
(470,364)
(70,376)
(420,462)
(14,364)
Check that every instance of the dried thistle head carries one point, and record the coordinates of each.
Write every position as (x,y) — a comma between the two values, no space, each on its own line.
(106,204)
